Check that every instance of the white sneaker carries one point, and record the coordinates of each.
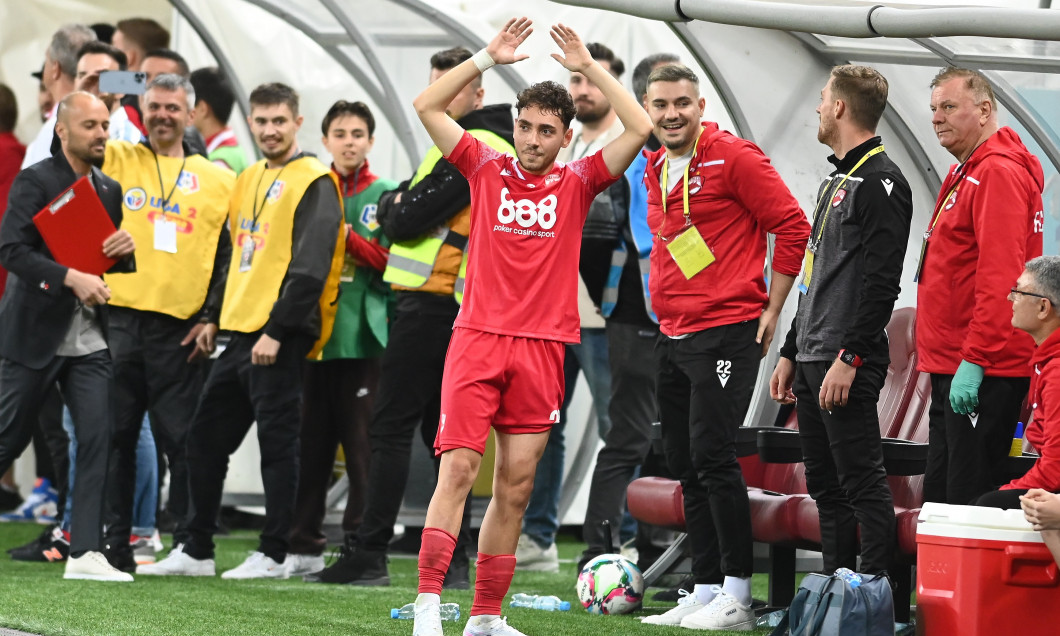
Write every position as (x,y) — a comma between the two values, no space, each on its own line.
(257,566)
(630,551)
(687,605)
(302,564)
(530,557)
(724,612)
(428,619)
(179,564)
(93,566)
(490,626)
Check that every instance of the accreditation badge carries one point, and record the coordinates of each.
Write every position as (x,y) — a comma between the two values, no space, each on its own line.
(246,254)
(807,273)
(349,269)
(923,253)
(165,235)
(690,252)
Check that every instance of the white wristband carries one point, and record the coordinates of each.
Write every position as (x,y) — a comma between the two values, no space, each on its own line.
(483,60)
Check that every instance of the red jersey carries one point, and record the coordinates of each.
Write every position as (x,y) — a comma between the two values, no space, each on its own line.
(1044,430)
(526,232)
(989,223)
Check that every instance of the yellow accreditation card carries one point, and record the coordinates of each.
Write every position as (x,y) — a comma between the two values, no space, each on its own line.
(690,252)
(807,272)
(349,270)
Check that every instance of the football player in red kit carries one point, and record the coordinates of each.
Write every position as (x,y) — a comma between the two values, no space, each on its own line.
(505,363)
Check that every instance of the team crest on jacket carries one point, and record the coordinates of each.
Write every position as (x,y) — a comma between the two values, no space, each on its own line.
(552,178)
(368,216)
(275,190)
(135,198)
(952,201)
(695,184)
(188,182)
(838,198)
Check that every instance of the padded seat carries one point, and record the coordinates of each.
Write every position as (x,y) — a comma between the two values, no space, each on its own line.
(658,501)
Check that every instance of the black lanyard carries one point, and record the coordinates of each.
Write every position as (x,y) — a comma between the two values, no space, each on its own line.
(161,185)
(257,212)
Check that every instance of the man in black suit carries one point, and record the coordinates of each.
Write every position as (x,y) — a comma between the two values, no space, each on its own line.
(53,324)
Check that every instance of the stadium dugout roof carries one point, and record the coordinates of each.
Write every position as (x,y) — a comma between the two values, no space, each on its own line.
(762,65)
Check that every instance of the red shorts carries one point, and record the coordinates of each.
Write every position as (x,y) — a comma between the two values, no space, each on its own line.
(513,384)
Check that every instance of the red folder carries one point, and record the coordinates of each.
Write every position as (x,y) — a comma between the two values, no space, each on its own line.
(74,227)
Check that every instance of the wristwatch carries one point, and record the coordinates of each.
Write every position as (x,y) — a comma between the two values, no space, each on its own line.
(851,358)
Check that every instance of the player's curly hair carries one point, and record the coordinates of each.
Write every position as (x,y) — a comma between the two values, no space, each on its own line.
(549,97)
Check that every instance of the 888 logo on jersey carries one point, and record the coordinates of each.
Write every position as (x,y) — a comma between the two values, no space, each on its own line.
(526,217)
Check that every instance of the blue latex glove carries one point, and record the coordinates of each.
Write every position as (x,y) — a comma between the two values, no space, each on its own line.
(964,390)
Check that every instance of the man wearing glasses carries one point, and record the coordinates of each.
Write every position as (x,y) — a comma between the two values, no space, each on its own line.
(986,224)
(1034,311)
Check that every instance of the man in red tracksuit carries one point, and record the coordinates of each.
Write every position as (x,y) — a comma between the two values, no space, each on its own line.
(986,224)
(1034,311)
(712,198)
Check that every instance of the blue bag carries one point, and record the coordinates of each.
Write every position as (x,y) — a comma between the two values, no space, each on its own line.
(829,606)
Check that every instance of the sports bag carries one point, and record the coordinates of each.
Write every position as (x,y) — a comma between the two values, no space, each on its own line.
(829,606)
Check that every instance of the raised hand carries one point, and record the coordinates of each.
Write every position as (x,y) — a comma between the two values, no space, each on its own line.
(575,56)
(515,31)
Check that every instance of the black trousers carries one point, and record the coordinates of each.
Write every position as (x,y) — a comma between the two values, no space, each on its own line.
(410,393)
(151,373)
(338,396)
(86,383)
(704,388)
(965,461)
(633,408)
(51,446)
(844,468)
(1004,499)
(238,394)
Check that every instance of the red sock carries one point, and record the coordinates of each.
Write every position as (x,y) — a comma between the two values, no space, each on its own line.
(492,579)
(436,551)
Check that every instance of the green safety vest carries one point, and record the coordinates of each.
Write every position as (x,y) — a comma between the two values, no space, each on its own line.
(412,262)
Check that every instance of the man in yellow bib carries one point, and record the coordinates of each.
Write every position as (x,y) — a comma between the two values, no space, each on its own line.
(288,243)
(175,205)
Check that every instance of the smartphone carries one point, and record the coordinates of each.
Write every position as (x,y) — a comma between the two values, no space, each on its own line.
(123,82)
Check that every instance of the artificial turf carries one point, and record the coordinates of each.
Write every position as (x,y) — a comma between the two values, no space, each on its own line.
(35,598)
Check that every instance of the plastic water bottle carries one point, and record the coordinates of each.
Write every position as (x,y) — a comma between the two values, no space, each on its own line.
(852,578)
(449,611)
(1016,450)
(771,619)
(533,601)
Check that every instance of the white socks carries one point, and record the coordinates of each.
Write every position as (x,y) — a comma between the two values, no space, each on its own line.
(705,592)
(425,599)
(738,588)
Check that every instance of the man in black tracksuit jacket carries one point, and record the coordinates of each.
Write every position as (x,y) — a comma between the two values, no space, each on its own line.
(836,353)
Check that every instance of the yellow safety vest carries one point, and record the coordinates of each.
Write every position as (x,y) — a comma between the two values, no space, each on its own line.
(250,295)
(412,262)
(195,202)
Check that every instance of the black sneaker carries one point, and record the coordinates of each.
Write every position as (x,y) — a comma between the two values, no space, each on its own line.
(585,557)
(42,539)
(51,546)
(354,566)
(121,558)
(458,576)
(673,595)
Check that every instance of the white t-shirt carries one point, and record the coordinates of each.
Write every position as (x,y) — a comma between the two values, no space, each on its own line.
(41,147)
